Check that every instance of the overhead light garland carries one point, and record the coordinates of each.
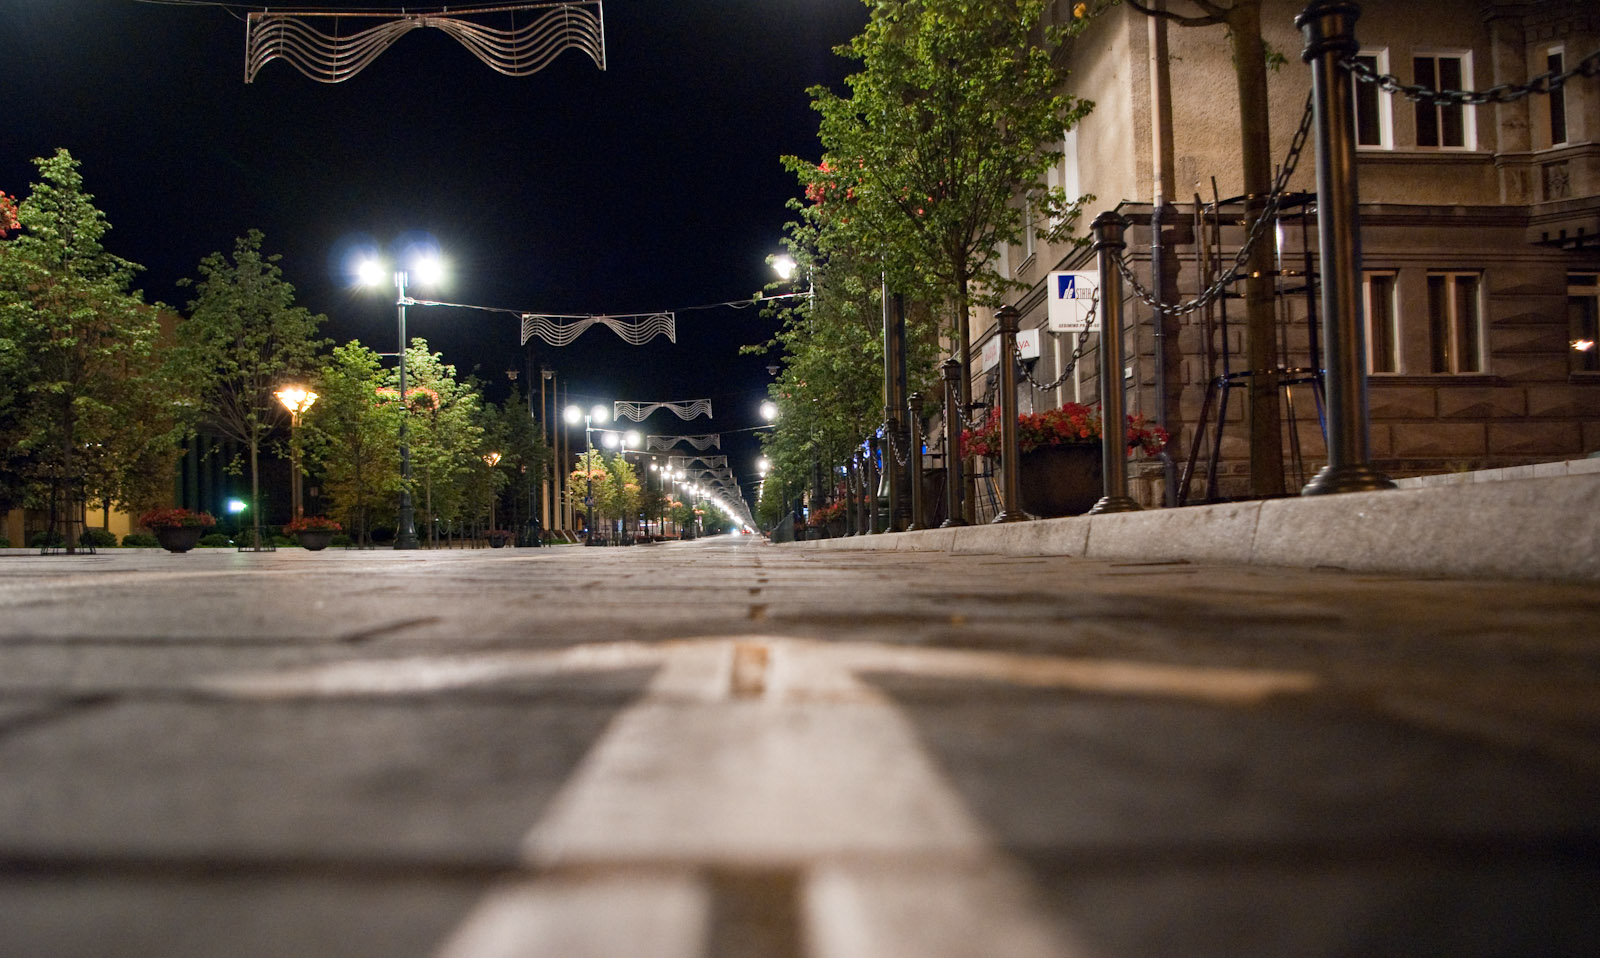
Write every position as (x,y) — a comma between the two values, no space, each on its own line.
(519,49)
(663,443)
(637,411)
(635,329)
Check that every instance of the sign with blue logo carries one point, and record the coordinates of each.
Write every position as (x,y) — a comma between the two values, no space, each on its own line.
(1074,296)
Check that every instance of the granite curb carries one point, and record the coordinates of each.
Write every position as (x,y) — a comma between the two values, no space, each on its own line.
(1541,528)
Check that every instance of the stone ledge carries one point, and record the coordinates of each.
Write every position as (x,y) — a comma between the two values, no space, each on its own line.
(1539,528)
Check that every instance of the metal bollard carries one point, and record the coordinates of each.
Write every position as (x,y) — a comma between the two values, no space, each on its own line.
(850,516)
(914,421)
(1108,230)
(1329,30)
(1010,459)
(874,485)
(952,443)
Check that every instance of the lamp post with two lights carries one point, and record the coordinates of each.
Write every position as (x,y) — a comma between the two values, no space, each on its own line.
(429,271)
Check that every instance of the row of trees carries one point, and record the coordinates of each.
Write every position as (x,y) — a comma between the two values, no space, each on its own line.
(935,159)
(101,393)
(956,111)
(620,499)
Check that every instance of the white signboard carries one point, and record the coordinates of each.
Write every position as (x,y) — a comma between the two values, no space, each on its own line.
(1027,344)
(1073,297)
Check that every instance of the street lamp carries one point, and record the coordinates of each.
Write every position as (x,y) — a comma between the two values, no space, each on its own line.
(296,399)
(491,460)
(769,411)
(429,271)
(597,414)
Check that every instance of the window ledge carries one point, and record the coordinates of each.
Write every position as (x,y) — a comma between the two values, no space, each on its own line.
(1434,379)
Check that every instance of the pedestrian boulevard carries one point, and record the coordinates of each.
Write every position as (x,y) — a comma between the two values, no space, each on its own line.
(730,748)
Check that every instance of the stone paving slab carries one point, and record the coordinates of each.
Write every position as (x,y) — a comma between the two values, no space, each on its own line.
(726,748)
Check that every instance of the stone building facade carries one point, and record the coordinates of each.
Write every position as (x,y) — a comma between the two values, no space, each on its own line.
(1480,233)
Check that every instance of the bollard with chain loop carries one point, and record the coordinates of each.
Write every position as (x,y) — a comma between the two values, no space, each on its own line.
(850,516)
(914,421)
(952,444)
(1109,228)
(1329,29)
(1011,464)
(874,484)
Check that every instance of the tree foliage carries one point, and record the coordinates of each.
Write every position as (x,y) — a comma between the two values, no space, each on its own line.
(352,440)
(244,339)
(957,110)
(445,433)
(87,409)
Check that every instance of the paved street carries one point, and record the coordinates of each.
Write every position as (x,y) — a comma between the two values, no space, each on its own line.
(727,748)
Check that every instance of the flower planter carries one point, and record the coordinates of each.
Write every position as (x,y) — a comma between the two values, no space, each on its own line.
(1061,480)
(179,538)
(315,540)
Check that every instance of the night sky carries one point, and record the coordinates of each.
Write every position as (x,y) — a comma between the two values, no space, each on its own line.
(655,184)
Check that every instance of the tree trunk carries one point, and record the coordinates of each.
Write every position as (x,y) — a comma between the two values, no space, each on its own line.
(1266,431)
(255,492)
(969,485)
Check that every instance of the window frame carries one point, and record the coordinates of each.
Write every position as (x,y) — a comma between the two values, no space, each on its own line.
(1383,102)
(1393,325)
(1469,115)
(1557,97)
(1453,337)
(1586,289)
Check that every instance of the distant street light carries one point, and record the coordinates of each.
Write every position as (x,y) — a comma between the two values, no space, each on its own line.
(429,272)
(296,399)
(598,414)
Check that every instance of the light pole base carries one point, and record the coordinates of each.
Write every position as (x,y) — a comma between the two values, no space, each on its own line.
(1332,480)
(1110,504)
(953,523)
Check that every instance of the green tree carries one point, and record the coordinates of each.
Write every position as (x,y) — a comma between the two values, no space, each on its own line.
(352,440)
(956,110)
(243,340)
(512,431)
(87,411)
(588,478)
(445,435)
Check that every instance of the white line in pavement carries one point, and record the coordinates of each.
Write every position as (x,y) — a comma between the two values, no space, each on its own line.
(771,753)
(1095,676)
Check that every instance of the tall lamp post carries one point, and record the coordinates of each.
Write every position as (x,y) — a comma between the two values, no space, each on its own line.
(296,399)
(598,414)
(371,273)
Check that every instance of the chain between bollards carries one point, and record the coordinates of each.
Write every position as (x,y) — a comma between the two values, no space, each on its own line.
(1109,228)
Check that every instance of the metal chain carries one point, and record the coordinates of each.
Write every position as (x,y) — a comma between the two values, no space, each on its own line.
(961,414)
(1544,83)
(904,459)
(1258,229)
(1077,354)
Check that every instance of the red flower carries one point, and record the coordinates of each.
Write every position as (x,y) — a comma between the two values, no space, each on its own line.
(1074,423)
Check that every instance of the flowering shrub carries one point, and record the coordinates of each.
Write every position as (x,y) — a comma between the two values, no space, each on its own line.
(174,518)
(8,214)
(822,515)
(1074,423)
(311,524)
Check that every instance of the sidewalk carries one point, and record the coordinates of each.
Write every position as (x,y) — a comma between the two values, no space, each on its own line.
(1544,528)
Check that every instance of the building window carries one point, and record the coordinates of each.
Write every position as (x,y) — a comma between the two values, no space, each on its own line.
(1383,327)
(1373,116)
(1583,320)
(1455,325)
(1555,62)
(1444,126)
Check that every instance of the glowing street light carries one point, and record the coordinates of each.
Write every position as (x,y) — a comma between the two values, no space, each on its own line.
(769,411)
(574,415)
(296,399)
(430,271)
